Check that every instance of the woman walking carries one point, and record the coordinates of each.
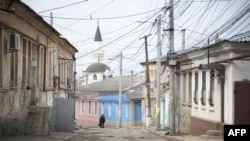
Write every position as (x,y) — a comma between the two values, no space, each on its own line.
(102,121)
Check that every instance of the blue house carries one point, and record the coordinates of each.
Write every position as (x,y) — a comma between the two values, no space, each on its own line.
(108,101)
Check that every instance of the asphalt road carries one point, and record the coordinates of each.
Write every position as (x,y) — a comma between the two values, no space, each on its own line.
(116,134)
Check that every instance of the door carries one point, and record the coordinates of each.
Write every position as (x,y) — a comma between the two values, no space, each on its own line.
(241,103)
(137,106)
(64,115)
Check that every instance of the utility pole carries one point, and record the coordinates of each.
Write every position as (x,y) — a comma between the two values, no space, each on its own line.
(51,19)
(172,98)
(148,102)
(158,81)
(120,95)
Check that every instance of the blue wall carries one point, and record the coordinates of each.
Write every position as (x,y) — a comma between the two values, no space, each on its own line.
(113,100)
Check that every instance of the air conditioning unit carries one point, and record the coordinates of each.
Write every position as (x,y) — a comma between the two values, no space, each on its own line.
(14,41)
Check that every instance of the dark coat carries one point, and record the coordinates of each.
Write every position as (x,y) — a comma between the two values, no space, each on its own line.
(102,119)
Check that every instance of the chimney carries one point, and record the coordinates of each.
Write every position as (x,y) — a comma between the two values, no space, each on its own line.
(183,38)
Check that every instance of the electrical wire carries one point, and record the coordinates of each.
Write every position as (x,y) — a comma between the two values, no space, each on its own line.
(62,6)
(119,36)
(105,18)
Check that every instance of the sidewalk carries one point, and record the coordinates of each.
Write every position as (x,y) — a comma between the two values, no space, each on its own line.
(62,136)
(54,136)
(180,137)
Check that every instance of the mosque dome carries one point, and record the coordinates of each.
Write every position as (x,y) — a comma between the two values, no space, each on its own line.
(97,67)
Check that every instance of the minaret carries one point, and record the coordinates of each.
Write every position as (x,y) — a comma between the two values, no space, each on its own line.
(98,52)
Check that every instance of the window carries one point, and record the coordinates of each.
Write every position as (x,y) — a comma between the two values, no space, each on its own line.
(13,69)
(203,93)
(127,109)
(184,88)
(117,110)
(102,108)
(211,93)
(82,107)
(109,109)
(89,108)
(190,89)
(95,107)
(196,88)
(94,77)
(24,74)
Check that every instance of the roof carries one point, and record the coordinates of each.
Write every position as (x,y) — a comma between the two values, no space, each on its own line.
(154,60)
(110,84)
(135,92)
(243,37)
(239,38)
(98,36)
(97,67)
(40,19)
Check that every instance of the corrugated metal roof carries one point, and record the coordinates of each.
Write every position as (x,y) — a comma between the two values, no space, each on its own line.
(110,84)
(135,92)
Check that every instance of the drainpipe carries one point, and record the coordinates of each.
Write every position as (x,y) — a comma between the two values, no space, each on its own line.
(221,69)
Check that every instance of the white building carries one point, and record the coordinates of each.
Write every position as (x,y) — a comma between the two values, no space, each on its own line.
(97,71)
(213,85)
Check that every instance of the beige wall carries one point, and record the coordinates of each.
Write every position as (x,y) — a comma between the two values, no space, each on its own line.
(28,74)
(153,90)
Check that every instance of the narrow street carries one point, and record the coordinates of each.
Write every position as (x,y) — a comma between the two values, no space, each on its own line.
(116,134)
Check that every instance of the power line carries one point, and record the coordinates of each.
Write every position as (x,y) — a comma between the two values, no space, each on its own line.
(107,18)
(120,36)
(62,6)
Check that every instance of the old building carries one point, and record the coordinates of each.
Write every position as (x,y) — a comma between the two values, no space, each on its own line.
(36,65)
(213,85)
(164,90)
(103,98)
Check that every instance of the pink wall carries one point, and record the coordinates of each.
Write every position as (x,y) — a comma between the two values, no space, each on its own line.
(87,118)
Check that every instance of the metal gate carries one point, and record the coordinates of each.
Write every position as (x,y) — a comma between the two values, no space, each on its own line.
(64,115)
(242,105)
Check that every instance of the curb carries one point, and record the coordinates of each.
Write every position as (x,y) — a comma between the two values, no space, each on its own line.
(71,136)
(164,136)
(66,138)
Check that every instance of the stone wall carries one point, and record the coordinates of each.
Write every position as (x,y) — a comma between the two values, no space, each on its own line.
(14,111)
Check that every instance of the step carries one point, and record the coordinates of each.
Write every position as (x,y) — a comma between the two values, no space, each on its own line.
(214,132)
(37,130)
(210,137)
(38,109)
(36,123)
(34,118)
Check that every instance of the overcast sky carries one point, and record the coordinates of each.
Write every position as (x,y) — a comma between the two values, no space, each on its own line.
(124,22)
